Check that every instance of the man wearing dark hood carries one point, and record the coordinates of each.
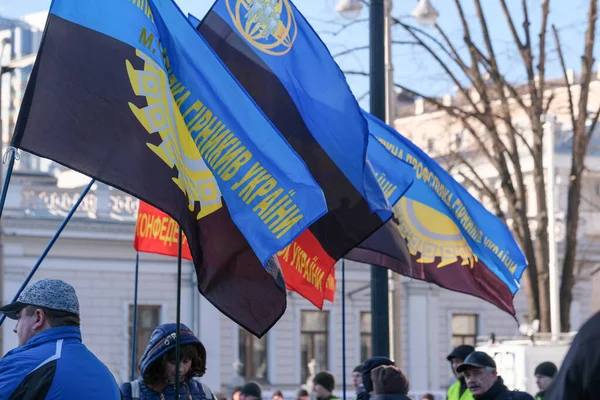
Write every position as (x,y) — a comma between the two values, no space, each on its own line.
(158,363)
(366,388)
(459,389)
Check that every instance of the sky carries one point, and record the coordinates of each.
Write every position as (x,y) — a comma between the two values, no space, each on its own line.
(413,68)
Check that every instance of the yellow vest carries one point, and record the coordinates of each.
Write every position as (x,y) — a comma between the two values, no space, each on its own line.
(454,393)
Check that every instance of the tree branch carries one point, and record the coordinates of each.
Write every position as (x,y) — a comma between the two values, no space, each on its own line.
(593,125)
(441,63)
(550,98)
(566,76)
(483,185)
(351,50)
(587,63)
(520,135)
(542,53)
(347,25)
(511,25)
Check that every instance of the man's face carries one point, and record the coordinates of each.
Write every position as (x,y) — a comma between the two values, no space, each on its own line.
(236,395)
(320,391)
(247,397)
(356,379)
(26,326)
(480,380)
(456,362)
(543,382)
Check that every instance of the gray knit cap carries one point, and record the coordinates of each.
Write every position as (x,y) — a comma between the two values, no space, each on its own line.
(54,294)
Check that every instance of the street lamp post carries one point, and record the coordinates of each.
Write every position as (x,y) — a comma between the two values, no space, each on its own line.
(4,68)
(552,246)
(382,105)
(5,42)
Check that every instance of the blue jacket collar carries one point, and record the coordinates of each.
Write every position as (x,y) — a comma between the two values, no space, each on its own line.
(53,334)
(50,335)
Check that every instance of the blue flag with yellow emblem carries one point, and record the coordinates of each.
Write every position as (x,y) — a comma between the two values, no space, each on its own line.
(138,100)
(452,239)
(283,64)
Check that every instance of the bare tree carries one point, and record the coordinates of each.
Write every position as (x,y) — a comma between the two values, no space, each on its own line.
(485,105)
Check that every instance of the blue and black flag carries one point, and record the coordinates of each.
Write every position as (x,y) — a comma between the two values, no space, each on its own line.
(282,63)
(127,92)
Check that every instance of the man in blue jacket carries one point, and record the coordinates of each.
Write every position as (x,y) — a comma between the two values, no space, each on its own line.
(51,362)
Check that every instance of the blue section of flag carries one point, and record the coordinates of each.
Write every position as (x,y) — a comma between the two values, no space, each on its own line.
(488,238)
(271,196)
(284,40)
(393,175)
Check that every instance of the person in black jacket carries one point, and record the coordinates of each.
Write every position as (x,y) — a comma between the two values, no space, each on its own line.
(483,380)
(577,378)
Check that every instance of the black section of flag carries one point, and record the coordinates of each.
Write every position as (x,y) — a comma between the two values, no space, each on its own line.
(75,112)
(387,248)
(349,220)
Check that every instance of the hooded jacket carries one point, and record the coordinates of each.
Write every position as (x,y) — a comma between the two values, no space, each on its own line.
(55,365)
(161,342)
(577,377)
(364,390)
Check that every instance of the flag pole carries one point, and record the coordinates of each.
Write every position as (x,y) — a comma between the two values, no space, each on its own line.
(49,246)
(178,327)
(344,327)
(134,329)
(380,336)
(12,154)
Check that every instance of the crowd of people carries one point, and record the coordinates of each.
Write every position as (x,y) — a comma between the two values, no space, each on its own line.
(52,363)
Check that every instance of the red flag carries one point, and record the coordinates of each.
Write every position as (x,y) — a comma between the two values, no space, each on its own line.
(156,232)
(307,269)
(330,286)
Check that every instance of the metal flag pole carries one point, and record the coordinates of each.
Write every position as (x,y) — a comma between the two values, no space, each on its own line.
(134,329)
(344,327)
(379,277)
(12,154)
(52,241)
(178,324)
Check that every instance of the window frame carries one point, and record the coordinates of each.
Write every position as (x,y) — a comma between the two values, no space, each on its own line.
(463,337)
(139,344)
(249,369)
(304,372)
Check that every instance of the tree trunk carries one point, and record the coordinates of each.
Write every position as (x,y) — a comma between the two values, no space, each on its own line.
(568,276)
(580,145)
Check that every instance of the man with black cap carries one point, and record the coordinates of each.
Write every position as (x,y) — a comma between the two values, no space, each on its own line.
(251,391)
(51,362)
(459,389)
(544,373)
(483,380)
(323,385)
